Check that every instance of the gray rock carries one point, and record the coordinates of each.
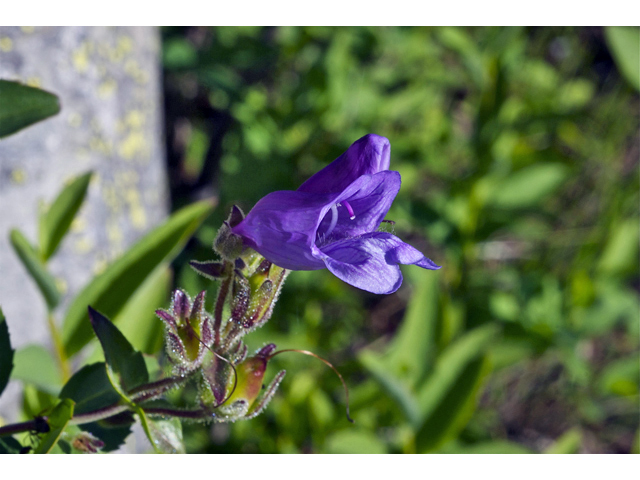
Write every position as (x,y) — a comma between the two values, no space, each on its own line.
(108,81)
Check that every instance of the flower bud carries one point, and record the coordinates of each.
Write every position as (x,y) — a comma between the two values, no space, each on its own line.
(189,330)
(85,442)
(243,401)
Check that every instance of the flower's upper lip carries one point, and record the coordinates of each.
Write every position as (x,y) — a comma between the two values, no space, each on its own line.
(294,230)
(366,156)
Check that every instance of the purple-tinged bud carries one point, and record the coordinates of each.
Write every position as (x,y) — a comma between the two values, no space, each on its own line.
(85,442)
(266,351)
(180,305)
(189,331)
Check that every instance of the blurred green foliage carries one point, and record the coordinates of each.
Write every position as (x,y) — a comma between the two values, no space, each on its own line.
(518,149)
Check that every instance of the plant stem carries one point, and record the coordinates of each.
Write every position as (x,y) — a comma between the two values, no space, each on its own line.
(20,427)
(61,355)
(141,393)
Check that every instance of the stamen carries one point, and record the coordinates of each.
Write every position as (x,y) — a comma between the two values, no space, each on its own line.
(349,209)
(334,220)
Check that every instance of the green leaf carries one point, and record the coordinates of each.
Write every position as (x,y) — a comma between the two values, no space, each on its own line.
(354,441)
(413,350)
(137,320)
(455,407)
(620,256)
(90,389)
(496,447)
(569,442)
(55,221)
(9,445)
(624,43)
(165,436)
(58,420)
(621,377)
(394,387)
(529,186)
(452,364)
(111,290)
(34,364)
(31,261)
(21,106)
(6,353)
(125,366)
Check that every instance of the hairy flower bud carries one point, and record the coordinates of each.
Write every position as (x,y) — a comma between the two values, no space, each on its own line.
(189,331)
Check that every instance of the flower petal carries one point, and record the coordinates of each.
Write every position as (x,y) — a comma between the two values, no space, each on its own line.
(282,228)
(368,155)
(370,262)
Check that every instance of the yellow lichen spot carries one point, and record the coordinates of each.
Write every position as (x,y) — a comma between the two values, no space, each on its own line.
(125,44)
(114,233)
(100,266)
(78,224)
(107,88)
(83,245)
(27,30)
(138,217)
(142,77)
(61,285)
(6,44)
(131,67)
(111,198)
(34,82)
(133,145)
(74,120)
(135,119)
(18,176)
(80,58)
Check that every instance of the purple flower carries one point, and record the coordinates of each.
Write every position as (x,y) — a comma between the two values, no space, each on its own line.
(331,221)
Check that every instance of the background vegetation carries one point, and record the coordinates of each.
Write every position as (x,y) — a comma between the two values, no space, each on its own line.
(519,152)
(518,149)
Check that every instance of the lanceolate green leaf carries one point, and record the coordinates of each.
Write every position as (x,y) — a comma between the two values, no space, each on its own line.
(31,261)
(451,365)
(624,43)
(455,408)
(90,388)
(413,349)
(111,290)
(34,364)
(138,320)
(529,186)
(6,353)
(125,366)
(58,420)
(20,106)
(55,221)
(394,387)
